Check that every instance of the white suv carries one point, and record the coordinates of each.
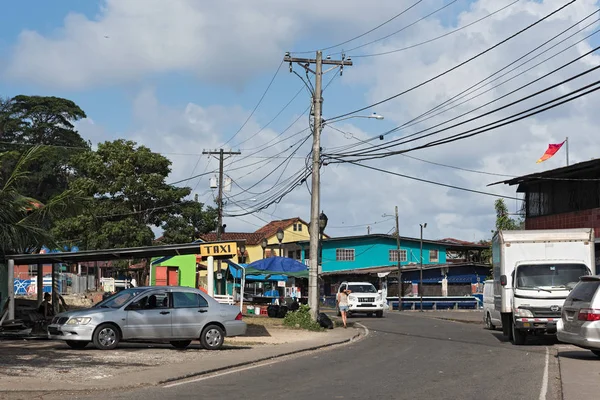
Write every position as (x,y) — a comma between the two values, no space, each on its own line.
(364,298)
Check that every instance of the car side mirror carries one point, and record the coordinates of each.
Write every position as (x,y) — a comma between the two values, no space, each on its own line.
(380,291)
(503,280)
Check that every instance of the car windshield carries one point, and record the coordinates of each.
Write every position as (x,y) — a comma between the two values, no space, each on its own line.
(549,275)
(119,299)
(362,288)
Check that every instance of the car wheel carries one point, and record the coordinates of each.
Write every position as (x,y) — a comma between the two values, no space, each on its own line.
(596,352)
(488,322)
(518,337)
(181,344)
(379,314)
(212,337)
(77,344)
(106,337)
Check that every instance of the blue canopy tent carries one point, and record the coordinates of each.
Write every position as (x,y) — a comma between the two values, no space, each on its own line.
(270,269)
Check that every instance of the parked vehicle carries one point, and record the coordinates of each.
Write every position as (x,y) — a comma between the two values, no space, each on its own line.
(580,321)
(491,316)
(534,272)
(171,314)
(364,298)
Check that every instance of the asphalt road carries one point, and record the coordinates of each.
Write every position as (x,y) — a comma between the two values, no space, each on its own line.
(403,357)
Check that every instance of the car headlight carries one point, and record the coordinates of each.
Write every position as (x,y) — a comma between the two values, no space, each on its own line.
(378,297)
(352,298)
(521,312)
(79,321)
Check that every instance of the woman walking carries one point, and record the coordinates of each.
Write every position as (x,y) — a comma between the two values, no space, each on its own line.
(342,303)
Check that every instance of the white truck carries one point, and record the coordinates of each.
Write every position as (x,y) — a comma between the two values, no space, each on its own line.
(534,271)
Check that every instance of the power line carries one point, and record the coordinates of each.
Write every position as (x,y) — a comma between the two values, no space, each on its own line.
(363,34)
(256,106)
(402,29)
(456,66)
(403,141)
(437,37)
(433,182)
(502,122)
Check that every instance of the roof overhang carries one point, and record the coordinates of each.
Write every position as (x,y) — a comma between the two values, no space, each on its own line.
(110,254)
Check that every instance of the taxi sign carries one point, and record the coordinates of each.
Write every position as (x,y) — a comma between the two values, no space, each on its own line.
(227,249)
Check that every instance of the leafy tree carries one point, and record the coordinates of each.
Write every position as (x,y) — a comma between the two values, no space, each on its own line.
(47,121)
(189,222)
(127,185)
(24,221)
(503,221)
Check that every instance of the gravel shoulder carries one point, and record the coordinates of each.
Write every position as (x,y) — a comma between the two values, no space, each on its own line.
(27,364)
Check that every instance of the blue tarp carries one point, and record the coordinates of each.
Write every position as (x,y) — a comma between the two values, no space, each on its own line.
(278,266)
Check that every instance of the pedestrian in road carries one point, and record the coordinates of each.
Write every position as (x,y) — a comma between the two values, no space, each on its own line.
(342,303)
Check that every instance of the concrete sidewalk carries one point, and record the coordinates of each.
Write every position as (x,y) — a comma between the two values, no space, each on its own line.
(580,373)
(181,364)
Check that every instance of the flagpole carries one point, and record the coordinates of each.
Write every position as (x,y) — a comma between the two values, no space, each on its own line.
(567,143)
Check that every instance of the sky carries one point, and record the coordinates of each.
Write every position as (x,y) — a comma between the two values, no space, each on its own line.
(185,76)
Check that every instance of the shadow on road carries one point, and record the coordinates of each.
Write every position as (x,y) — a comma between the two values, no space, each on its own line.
(579,355)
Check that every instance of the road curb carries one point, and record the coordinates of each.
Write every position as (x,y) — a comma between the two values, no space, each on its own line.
(354,338)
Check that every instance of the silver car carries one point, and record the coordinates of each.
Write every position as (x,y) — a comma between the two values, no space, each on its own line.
(580,320)
(160,314)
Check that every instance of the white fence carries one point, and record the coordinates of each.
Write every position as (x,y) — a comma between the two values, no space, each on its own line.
(111,284)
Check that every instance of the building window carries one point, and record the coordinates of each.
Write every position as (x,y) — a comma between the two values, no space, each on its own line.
(298,254)
(344,254)
(297,227)
(433,256)
(393,256)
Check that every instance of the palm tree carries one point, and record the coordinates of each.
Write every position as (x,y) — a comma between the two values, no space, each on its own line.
(24,221)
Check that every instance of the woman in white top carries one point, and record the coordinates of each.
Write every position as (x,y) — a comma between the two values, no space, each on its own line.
(342,303)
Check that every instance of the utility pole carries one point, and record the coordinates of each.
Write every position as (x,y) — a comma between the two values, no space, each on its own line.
(313,288)
(221,153)
(399,263)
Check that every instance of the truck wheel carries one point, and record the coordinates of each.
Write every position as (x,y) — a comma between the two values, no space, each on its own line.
(596,352)
(488,322)
(379,314)
(518,337)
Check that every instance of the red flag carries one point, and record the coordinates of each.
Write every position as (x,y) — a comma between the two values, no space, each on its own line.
(552,150)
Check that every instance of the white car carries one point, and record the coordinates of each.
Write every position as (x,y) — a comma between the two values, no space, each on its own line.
(171,314)
(364,298)
(491,316)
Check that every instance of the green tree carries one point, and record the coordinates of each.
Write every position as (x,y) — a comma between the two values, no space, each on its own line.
(503,221)
(24,221)
(129,195)
(188,222)
(47,121)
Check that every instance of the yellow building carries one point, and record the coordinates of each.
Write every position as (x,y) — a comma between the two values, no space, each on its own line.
(294,230)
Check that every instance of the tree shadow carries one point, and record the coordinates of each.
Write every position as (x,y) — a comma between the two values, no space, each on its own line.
(254,330)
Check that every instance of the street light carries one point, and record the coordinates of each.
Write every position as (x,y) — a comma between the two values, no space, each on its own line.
(421,266)
(242,253)
(280,238)
(264,245)
(372,116)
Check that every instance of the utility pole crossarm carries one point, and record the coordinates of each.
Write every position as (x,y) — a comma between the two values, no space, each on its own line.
(308,61)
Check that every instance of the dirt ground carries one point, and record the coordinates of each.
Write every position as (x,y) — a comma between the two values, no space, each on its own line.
(54,360)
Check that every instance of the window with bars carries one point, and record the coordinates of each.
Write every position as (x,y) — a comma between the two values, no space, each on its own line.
(433,256)
(344,254)
(393,256)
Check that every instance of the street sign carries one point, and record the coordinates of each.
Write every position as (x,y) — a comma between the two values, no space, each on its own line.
(224,250)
